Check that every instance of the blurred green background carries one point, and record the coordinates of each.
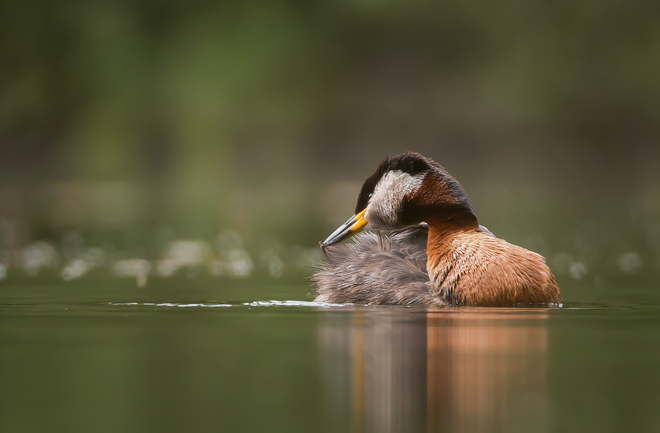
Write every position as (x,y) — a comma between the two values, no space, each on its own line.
(228,138)
(201,150)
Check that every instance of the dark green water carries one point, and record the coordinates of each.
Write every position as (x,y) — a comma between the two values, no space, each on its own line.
(99,355)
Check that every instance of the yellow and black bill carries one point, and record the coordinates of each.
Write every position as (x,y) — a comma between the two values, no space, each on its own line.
(355,224)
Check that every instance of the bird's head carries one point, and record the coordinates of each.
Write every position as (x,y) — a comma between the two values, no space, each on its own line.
(406,190)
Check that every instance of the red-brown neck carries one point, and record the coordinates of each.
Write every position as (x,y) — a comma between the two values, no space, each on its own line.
(442,203)
(440,247)
(468,266)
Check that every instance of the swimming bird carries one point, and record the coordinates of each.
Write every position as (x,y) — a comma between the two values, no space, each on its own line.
(436,252)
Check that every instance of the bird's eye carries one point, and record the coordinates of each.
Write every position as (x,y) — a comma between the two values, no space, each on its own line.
(370,196)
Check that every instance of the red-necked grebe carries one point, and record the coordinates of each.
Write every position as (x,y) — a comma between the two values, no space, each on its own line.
(437,252)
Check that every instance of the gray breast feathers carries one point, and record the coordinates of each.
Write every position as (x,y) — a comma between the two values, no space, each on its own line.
(377,269)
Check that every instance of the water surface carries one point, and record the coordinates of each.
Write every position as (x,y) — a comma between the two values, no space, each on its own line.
(222,355)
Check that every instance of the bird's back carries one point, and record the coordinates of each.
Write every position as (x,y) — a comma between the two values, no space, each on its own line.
(377,269)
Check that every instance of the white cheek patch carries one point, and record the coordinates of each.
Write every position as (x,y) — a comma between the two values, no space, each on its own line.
(385,203)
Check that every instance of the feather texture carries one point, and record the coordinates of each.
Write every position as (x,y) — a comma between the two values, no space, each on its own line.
(468,268)
(377,269)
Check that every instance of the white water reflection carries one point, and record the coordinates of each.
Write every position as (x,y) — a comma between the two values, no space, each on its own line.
(465,371)
(294,304)
(242,304)
(167,304)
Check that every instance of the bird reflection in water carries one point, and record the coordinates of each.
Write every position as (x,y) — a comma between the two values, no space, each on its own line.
(467,370)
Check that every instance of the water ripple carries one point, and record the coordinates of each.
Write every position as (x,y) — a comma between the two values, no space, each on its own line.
(271,303)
